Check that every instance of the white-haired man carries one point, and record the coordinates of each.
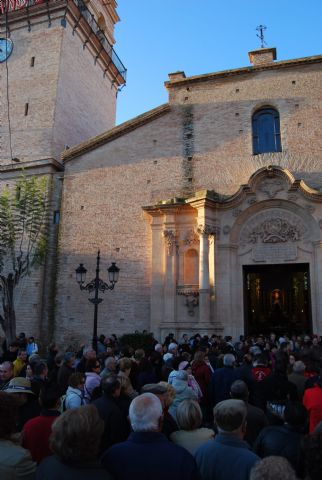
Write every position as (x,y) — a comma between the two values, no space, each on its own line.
(147,453)
(228,456)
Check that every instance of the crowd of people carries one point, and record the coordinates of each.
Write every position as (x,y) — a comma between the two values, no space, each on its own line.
(200,407)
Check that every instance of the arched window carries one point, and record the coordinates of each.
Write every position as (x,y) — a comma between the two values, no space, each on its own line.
(266,131)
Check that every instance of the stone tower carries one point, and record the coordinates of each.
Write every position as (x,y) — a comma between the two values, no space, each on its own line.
(59,80)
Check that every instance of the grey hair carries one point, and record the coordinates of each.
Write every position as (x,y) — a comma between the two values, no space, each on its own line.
(145,413)
(273,468)
(299,367)
(110,360)
(158,348)
(229,360)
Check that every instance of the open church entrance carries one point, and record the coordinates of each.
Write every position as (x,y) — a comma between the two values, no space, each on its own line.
(277,298)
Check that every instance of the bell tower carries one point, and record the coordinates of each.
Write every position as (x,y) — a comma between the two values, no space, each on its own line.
(59,74)
(59,77)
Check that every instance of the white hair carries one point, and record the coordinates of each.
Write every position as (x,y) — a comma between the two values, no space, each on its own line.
(158,348)
(145,412)
(172,347)
(229,360)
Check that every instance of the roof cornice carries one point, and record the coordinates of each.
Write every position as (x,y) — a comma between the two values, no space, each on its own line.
(114,133)
(244,70)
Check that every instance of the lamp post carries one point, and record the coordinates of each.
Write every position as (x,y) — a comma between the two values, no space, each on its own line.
(96,285)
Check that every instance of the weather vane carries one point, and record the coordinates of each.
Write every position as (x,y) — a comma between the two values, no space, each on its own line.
(261,29)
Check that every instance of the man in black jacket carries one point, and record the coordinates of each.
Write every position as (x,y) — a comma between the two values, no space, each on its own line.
(284,440)
(116,427)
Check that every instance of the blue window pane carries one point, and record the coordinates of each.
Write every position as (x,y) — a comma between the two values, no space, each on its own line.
(266,131)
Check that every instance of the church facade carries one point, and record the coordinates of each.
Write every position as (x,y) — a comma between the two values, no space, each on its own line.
(210,205)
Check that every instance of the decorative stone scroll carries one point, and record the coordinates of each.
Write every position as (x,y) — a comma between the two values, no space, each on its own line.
(273,226)
(170,239)
(191,237)
(271,186)
(210,230)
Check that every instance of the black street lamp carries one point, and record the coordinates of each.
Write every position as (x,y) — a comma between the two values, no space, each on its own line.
(96,285)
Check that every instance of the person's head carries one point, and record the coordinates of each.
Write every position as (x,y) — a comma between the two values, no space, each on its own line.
(13,347)
(311,457)
(189,415)
(30,370)
(49,397)
(199,356)
(111,386)
(20,388)
(295,414)
(139,354)
(69,359)
(6,371)
(239,390)
(173,348)
(111,364)
(22,354)
(229,360)
(92,366)
(159,390)
(76,435)
(158,348)
(41,369)
(181,376)
(170,394)
(59,359)
(89,352)
(146,413)
(273,468)
(230,417)
(299,367)
(125,365)
(76,380)
(31,340)
(8,411)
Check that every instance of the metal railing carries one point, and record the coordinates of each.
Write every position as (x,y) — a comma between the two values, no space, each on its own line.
(90,19)
(13,5)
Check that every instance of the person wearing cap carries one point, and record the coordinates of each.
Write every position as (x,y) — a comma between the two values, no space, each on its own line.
(26,400)
(166,394)
(228,456)
(147,454)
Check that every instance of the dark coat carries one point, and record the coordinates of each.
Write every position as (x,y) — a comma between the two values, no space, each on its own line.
(116,427)
(283,441)
(221,382)
(256,421)
(51,468)
(149,455)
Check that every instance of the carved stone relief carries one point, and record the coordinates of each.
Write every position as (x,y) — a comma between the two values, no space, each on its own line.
(273,226)
(271,186)
(191,237)
(170,239)
(210,230)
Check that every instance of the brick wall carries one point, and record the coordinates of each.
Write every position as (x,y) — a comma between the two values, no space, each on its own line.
(205,137)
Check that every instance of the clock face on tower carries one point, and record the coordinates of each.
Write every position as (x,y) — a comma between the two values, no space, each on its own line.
(6,46)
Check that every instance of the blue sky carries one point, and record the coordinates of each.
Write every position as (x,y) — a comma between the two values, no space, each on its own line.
(156,37)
